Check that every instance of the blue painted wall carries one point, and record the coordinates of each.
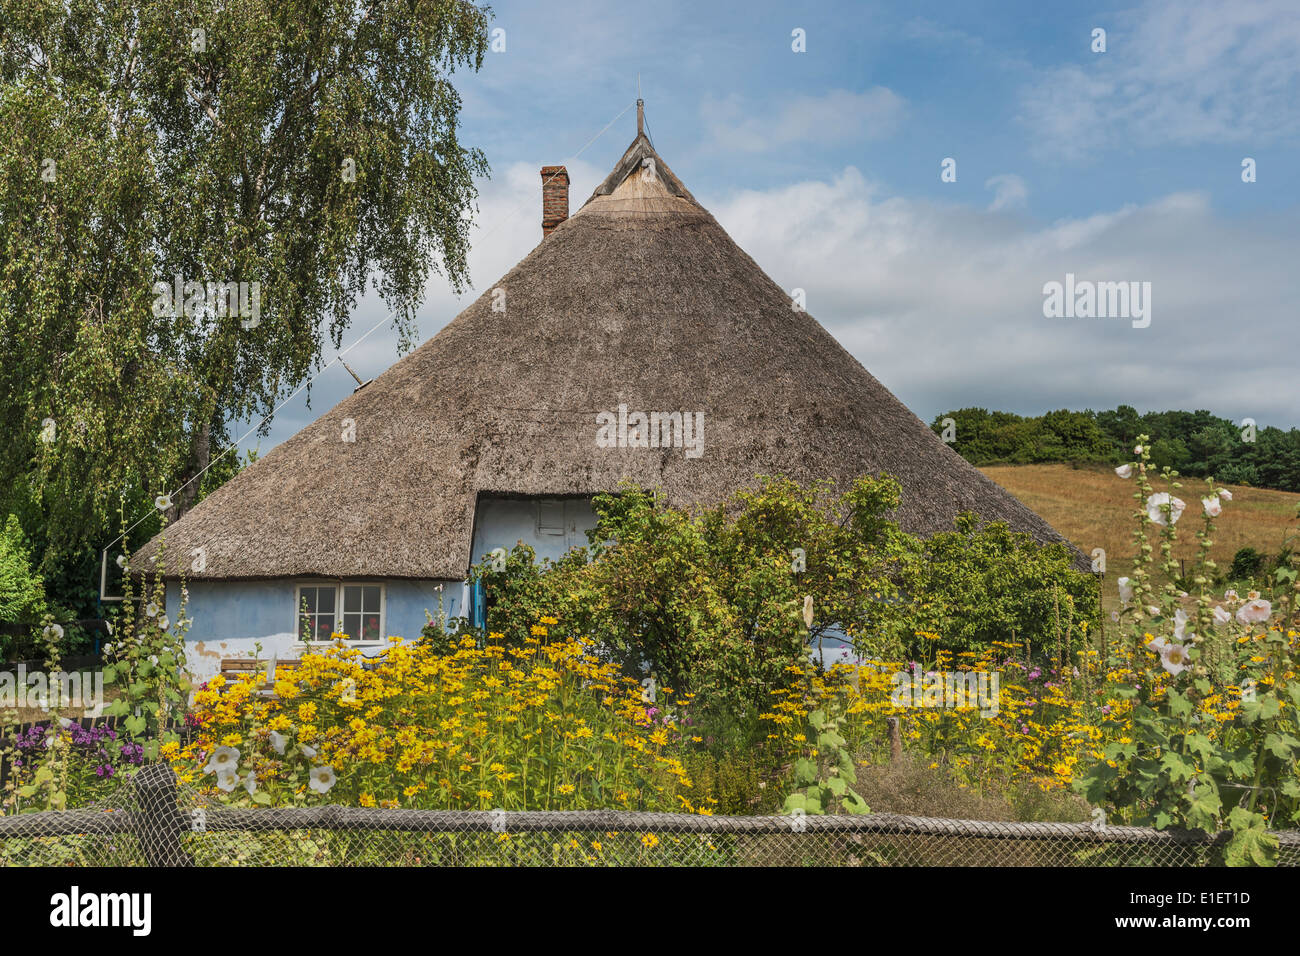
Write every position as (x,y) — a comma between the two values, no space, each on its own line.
(550,526)
(230,618)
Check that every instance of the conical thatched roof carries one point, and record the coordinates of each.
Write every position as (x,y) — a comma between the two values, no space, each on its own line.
(640,298)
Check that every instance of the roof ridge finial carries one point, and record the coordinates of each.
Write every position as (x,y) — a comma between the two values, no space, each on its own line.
(640,108)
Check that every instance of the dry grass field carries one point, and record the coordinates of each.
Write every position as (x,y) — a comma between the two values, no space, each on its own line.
(1094,508)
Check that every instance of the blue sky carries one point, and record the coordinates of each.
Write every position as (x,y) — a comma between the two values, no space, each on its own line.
(824,165)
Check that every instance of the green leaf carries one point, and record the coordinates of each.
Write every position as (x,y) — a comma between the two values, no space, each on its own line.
(829,740)
(1179,705)
(1281,745)
(854,803)
(1176,768)
(818,719)
(135,725)
(805,772)
(1205,805)
(1251,843)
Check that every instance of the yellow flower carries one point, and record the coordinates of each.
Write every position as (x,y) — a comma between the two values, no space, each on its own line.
(650,841)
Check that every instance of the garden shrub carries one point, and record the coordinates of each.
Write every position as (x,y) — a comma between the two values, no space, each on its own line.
(980,584)
(22,594)
(1246,564)
(711,601)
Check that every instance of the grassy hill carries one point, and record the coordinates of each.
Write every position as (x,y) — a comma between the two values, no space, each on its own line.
(1094,508)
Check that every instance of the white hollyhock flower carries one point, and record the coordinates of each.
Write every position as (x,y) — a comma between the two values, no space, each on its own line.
(1230,595)
(1225,494)
(1254,611)
(1221,617)
(322,779)
(151,609)
(1213,507)
(277,742)
(223,759)
(1125,590)
(121,560)
(1174,658)
(163,623)
(1156,508)
(250,783)
(1180,622)
(1252,595)
(1124,471)
(1153,610)
(162,502)
(53,631)
(308,751)
(227,780)
(1137,449)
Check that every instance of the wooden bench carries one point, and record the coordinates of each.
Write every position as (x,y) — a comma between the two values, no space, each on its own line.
(232,668)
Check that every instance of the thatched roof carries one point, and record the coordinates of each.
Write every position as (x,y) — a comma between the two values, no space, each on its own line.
(640,298)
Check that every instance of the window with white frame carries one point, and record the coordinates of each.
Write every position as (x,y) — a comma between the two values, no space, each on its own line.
(355,610)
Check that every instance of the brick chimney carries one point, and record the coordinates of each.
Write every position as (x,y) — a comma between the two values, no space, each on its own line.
(555,198)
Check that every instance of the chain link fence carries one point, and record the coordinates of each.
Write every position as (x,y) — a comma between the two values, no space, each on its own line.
(155,823)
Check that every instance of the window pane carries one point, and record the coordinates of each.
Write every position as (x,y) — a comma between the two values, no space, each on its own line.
(324,626)
(352,626)
(352,598)
(309,600)
(370,628)
(325,600)
(372,601)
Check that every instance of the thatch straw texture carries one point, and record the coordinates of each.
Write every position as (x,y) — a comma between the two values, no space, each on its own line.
(640,298)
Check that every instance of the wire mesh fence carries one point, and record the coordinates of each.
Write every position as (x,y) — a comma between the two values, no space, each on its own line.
(155,823)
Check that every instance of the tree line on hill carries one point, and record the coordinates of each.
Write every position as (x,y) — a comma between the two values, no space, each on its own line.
(1198,444)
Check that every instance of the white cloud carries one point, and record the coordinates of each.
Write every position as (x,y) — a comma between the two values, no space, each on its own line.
(943,303)
(738,125)
(1176,73)
(1009,190)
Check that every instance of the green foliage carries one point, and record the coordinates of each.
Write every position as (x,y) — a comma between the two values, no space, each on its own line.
(1182,764)
(299,145)
(22,593)
(712,601)
(983,583)
(146,661)
(1246,565)
(825,783)
(1194,443)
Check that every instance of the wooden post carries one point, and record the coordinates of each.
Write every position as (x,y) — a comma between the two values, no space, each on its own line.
(895,740)
(158,823)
